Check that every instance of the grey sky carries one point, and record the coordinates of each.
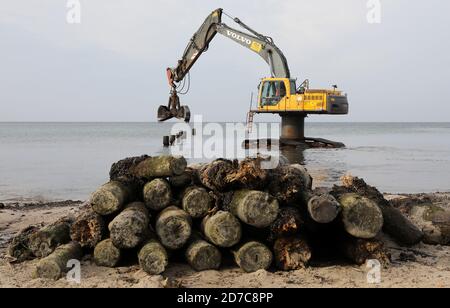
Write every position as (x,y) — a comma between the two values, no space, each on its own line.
(111,67)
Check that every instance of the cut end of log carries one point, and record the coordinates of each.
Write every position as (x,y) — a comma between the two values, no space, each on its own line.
(106,254)
(174,227)
(324,208)
(362,217)
(197,202)
(222,229)
(203,256)
(255,208)
(253,256)
(153,258)
(157,194)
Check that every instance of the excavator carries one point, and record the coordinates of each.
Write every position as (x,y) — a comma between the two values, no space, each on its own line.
(278,94)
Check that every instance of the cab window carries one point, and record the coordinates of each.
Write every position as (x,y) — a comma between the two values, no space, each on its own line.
(272,93)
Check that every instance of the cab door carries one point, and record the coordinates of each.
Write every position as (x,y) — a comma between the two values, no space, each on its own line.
(273,95)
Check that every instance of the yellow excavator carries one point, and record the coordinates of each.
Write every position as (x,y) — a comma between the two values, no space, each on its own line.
(278,94)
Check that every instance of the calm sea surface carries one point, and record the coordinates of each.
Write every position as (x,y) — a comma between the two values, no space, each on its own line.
(54,161)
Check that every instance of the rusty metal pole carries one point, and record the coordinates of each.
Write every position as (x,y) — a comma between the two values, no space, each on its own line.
(292,126)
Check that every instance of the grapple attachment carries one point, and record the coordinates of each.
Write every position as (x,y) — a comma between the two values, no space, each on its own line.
(174,110)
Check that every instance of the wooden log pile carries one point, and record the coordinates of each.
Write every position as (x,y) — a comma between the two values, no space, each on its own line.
(159,210)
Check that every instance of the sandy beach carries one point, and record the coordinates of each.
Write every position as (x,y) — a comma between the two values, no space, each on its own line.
(419,266)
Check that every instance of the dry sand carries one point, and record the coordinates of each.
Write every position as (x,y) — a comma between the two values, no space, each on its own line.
(421,266)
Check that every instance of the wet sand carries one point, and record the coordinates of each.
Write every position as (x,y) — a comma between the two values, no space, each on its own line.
(419,266)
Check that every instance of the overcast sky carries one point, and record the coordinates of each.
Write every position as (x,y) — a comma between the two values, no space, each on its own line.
(111,67)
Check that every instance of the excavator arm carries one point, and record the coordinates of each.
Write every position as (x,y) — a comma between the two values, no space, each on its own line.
(258,43)
(199,43)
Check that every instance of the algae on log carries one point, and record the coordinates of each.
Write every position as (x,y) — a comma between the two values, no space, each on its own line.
(323,208)
(88,229)
(54,265)
(362,218)
(395,223)
(359,250)
(106,254)
(291,253)
(222,229)
(255,208)
(120,171)
(173,227)
(202,255)
(288,222)
(287,184)
(249,175)
(111,198)
(153,257)
(157,194)
(214,175)
(159,166)
(19,248)
(253,256)
(131,227)
(45,241)
(197,202)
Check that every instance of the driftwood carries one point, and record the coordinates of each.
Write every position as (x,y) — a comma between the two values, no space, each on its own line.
(202,255)
(131,227)
(291,253)
(255,208)
(19,248)
(253,256)
(174,227)
(395,223)
(222,229)
(55,265)
(153,257)
(45,241)
(161,166)
(138,170)
(106,254)
(88,229)
(360,251)
(111,198)
(197,202)
(289,222)
(323,208)
(361,217)
(434,222)
(248,175)
(214,175)
(157,194)
(287,184)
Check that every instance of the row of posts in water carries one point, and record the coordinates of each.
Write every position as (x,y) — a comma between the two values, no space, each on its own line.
(170,140)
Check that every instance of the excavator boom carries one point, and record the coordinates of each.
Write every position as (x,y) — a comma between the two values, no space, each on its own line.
(199,43)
